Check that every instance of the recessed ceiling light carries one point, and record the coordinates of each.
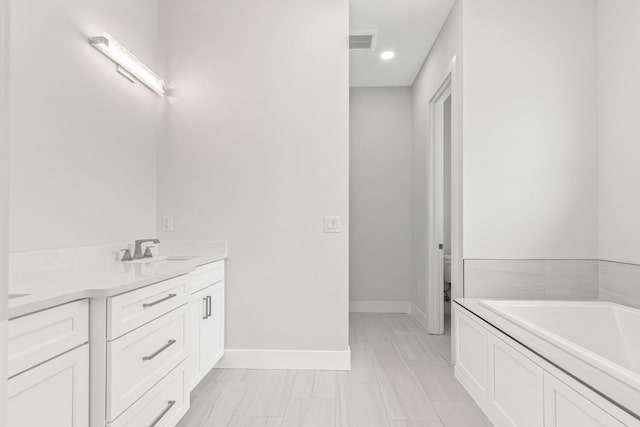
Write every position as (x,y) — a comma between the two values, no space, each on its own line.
(387,55)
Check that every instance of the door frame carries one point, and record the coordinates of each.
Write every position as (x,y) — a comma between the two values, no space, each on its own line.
(435,280)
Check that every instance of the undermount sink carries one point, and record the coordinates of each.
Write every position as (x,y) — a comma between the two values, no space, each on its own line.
(13,296)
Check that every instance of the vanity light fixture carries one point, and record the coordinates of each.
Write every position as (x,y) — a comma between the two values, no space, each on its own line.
(387,55)
(128,65)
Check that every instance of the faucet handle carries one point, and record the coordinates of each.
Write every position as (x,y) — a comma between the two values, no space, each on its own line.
(126,256)
(148,253)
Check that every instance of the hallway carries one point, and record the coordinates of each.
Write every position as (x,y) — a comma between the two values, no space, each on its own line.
(400,377)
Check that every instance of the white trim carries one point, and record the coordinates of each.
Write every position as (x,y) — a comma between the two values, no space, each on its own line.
(435,285)
(380,307)
(286,359)
(418,316)
(435,288)
(457,229)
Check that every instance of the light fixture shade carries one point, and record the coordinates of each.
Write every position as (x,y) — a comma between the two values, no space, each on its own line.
(125,59)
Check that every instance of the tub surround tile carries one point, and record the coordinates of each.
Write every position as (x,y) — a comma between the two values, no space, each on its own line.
(571,279)
(508,279)
(553,279)
(531,279)
(620,283)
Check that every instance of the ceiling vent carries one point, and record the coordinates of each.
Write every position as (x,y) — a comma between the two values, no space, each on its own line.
(362,40)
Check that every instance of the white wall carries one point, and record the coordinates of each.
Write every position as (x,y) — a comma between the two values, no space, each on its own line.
(434,71)
(380,194)
(4,199)
(530,152)
(83,138)
(619,130)
(257,153)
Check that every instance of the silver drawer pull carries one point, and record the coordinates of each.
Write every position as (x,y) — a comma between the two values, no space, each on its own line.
(151,304)
(208,306)
(167,409)
(160,350)
(206,312)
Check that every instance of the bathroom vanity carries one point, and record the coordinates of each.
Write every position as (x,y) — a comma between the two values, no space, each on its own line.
(124,352)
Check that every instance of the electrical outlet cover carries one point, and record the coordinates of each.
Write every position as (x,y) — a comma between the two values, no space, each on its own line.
(333,224)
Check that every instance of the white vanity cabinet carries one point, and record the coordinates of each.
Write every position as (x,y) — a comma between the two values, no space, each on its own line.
(138,354)
(49,368)
(205,338)
(517,388)
(124,360)
(152,345)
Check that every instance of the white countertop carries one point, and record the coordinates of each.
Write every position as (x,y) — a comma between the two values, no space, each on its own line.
(48,288)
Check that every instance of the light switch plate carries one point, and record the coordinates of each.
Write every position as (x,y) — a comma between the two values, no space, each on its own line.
(333,224)
(166,222)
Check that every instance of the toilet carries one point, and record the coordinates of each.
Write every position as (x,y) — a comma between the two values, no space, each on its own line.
(447,268)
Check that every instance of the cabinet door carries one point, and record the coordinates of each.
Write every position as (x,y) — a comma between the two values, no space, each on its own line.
(54,394)
(564,407)
(197,311)
(515,386)
(212,328)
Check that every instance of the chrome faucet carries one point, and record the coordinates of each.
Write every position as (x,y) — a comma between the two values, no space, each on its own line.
(137,253)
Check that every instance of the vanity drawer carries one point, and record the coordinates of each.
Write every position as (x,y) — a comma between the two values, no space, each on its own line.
(133,309)
(163,406)
(206,275)
(38,337)
(137,361)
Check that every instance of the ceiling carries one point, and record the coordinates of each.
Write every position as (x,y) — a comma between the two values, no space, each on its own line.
(407,27)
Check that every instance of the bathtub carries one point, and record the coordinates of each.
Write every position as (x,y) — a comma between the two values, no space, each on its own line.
(592,346)
(603,334)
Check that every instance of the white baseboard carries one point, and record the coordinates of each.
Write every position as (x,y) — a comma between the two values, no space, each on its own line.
(419,316)
(286,359)
(405,307)
(380,307)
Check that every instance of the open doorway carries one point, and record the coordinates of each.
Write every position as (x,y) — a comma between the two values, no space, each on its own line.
(445,224)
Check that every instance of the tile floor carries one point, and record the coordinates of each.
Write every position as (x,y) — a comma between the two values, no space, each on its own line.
(400,377)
